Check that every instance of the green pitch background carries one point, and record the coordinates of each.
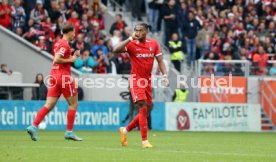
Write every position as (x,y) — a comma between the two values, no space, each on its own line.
(104,146)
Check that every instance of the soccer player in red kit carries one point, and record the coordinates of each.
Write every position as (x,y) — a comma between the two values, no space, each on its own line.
(142,51)
(60,83)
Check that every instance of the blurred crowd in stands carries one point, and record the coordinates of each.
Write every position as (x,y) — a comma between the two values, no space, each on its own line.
(218,30)
(39,22)
(193,29)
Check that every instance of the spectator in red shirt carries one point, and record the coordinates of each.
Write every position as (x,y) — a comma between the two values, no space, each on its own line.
(103,62)
(42,44)
(215,42)
(97,18)
(118,25)
(5,14)
(74,19)
(260,61)
(49,28)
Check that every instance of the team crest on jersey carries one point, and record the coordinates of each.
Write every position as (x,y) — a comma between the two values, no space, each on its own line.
(151,49)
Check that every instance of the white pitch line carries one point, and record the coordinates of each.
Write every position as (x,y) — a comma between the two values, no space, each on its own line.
(163,151)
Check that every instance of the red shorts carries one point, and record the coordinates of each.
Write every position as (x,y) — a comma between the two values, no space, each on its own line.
(141,90)
(60,86)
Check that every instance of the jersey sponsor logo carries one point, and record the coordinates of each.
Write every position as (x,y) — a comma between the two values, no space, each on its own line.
(144,55)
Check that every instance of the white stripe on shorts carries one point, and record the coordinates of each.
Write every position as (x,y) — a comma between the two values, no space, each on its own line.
(71,93)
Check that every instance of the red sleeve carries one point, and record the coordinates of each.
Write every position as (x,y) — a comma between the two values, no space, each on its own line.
(157,50)
(129,48)
(61,49)
(256,58)
(266,57)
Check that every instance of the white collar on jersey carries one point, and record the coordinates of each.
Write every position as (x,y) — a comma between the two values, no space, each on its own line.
(139,42)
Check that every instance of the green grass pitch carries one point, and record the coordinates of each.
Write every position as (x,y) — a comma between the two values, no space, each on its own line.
(104,146)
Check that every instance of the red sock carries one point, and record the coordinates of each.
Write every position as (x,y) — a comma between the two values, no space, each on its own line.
(143,122)
(133,124)
(40,116)
(70,119)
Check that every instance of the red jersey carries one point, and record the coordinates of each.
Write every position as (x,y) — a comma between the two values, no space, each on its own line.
(5,20)
(62,48)
(142,56)
(76,23)
(261,59)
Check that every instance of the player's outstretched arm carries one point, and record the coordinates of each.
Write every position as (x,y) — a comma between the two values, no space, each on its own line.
(162,68)
(58,59)
(161,64)
(121,47)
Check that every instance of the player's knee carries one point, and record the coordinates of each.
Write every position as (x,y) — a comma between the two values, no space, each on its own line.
(49,105)
(74,105)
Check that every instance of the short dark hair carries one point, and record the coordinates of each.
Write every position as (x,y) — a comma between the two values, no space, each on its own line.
(100,49)
(84,50)
(67,27)
(145,25)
